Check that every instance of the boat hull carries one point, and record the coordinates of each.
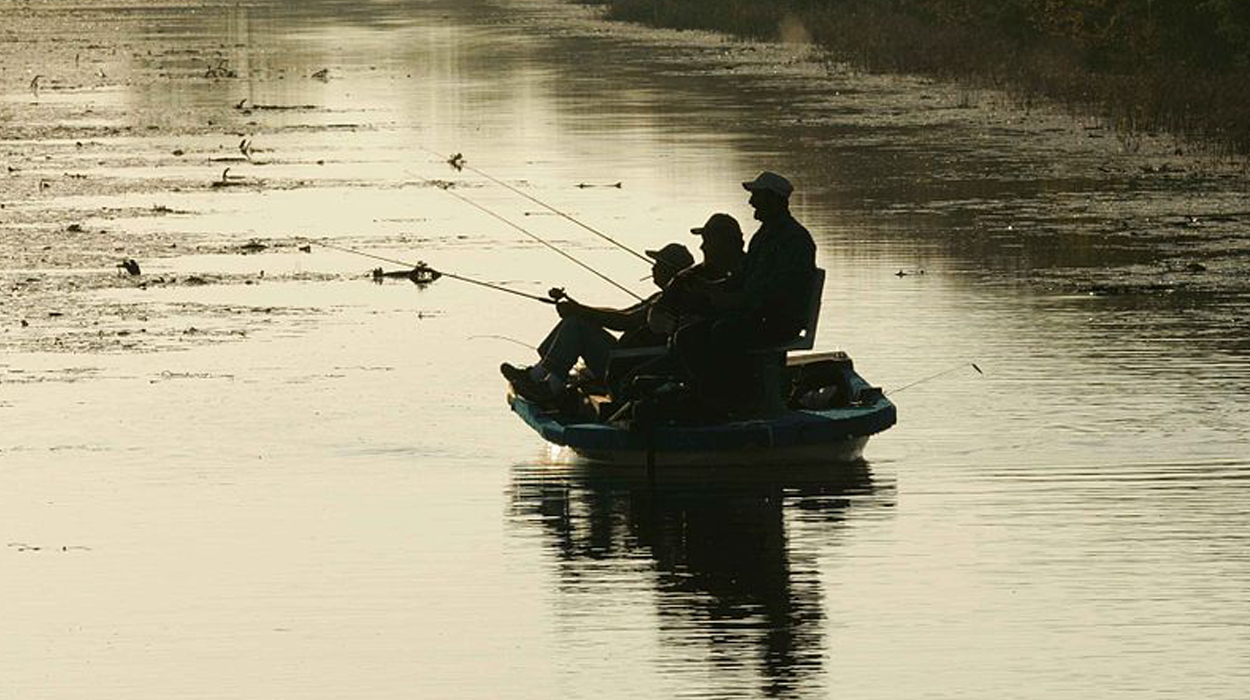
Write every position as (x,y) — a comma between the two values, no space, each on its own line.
(849,450)
(794,437)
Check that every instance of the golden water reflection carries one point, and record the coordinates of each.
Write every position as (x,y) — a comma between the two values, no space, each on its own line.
(731,559)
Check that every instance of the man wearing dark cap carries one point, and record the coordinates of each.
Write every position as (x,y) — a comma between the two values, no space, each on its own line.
(686,299)
(583,333)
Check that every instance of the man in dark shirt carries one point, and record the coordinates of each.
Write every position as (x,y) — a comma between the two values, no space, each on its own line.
(582,333)
(767,305)
(777,273)
(685,300)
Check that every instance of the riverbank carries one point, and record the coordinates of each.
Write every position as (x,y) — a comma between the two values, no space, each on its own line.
(1141,80)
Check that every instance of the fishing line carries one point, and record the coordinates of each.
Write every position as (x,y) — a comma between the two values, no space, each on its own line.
(423,266)
(935,376)
(541,203)
(504,337)
(535,237)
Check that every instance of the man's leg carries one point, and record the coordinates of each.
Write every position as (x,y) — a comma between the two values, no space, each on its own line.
(575,338)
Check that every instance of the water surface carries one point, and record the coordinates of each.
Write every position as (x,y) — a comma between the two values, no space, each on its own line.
(260,475)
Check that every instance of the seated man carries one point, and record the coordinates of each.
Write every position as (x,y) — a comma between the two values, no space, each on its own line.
(683,301)
(765,306)
(583,333)
(686,299)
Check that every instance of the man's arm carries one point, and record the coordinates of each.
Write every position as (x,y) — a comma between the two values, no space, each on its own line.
(613,319)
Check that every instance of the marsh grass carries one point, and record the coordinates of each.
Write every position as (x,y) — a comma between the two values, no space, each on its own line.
(1207,107)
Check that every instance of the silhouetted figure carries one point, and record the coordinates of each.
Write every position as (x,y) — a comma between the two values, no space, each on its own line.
(582,333)
(766,306)
(684,300)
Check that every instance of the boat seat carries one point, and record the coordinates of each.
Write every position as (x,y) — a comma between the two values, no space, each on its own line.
(807,337)
(768,365)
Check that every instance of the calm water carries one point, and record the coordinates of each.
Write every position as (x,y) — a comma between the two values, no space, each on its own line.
(304,485)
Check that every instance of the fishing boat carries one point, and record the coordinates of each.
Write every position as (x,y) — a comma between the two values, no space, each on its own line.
(796,435)
(815,408)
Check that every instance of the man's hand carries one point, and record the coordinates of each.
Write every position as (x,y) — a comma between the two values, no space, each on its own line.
(567,307)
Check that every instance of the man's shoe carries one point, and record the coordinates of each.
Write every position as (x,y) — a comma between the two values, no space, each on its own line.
(513,373)
(527,387)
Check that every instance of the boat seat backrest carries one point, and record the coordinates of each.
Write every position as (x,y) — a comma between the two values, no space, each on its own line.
(807,338)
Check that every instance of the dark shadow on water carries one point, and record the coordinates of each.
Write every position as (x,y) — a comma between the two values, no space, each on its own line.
(731,555)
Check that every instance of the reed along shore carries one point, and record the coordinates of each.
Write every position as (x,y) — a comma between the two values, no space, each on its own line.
(1144,66)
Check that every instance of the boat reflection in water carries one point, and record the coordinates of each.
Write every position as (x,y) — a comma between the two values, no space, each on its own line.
(724,562)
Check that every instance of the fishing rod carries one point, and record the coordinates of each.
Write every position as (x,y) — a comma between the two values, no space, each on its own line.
(943,373)
(535,237)
(460,163)
(437,273)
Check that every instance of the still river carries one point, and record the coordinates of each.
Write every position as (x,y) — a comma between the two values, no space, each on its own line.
(262,476)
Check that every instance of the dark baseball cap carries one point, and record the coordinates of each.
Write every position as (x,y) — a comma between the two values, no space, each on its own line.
(719,225)
(674,255)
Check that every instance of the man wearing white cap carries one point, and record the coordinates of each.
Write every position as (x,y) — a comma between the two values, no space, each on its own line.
(781,258)
(768,304)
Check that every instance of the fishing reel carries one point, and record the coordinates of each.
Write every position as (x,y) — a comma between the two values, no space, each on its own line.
(423,274)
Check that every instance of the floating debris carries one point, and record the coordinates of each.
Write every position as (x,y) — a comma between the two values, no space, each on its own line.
(322,75)
(34,86)
(584,185)
(262,107)
(228,180)
(252,247)
(220,70)
(305,249)
(457,161)
(422,274)
(74,228)
(130,266)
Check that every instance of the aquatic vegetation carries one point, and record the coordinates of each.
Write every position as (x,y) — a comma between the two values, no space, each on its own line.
(1168,65)
(220,69)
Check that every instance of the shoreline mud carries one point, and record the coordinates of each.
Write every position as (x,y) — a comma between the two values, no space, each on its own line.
(1116,65)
